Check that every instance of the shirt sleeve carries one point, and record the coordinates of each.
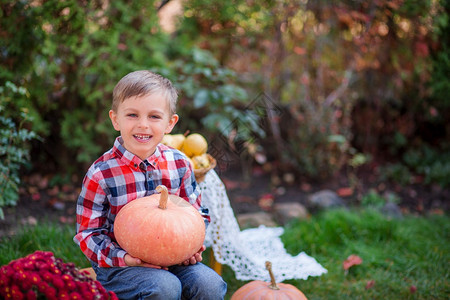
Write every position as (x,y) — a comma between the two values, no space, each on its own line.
(94,229)
(191,190)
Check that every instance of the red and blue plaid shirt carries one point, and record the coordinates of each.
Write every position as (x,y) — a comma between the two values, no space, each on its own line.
(117,178)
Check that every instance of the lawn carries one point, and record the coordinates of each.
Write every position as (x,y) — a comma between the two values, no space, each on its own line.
(404,258)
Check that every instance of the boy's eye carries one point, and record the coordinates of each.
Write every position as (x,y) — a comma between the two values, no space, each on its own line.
(155,117)
(132,115)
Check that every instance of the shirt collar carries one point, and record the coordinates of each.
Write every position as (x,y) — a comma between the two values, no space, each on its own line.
(130,159)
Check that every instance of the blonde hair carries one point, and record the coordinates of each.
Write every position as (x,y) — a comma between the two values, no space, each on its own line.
(144,82)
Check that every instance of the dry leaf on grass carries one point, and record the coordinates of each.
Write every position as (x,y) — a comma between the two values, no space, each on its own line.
(351,261)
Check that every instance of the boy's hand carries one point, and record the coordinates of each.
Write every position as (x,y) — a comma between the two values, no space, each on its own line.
(137,262)
(197,257)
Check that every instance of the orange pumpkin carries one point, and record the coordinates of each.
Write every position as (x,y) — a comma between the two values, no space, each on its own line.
(159,231)
(260,290)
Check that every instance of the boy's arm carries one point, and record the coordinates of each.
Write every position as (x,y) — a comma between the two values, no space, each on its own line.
(191,190)
(94,228)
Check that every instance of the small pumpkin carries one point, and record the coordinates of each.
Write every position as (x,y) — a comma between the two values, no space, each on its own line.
(160,229)
(260,290)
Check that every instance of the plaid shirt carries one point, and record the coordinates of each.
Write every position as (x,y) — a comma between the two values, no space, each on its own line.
(117,178)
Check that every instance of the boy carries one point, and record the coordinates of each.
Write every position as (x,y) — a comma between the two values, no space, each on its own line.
(143,110)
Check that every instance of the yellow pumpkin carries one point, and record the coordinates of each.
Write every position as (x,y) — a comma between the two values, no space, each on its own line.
(160,229)
(260,290)
(194,144)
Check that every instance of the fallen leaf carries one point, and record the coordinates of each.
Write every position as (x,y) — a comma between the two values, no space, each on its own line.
(30,220)
(351,261)
(289,178)
(266,201)
(370,284)
(231,184)
(305,187)
(36,197)
(243,198)
(345,192)
(67,220)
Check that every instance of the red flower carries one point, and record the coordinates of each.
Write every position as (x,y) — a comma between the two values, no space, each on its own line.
(58,282)
(16,293)
(35,278)
(113,296)
(75,296)
(43,287)
(31,295)
(66,277)
(56,271)
(26,282)
(71,285)
(4,280)
(9,271)
(41,275)
(63,295)
(47,276)
(50,292)
(28,265)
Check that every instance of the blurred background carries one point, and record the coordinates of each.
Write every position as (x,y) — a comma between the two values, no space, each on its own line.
(353,93)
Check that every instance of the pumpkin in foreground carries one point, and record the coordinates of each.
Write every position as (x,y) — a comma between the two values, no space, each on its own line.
(160,229)
(260,290)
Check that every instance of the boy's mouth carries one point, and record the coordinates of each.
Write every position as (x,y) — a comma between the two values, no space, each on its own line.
(141,137)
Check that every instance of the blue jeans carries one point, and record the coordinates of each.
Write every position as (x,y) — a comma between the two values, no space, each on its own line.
(179,282)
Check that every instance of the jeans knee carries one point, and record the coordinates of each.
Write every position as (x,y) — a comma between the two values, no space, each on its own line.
(215,288)
(165,290)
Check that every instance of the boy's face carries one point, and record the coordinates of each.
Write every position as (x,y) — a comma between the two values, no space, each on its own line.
(142,122)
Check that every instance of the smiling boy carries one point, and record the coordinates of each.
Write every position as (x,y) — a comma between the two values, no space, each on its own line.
(143,110)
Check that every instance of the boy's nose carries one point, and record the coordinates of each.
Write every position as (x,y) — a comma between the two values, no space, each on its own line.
(143,123)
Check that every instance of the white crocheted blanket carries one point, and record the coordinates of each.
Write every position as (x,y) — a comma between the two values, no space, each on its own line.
(247,251)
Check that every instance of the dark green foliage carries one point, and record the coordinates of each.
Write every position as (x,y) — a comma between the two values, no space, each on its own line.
(430,163)
(439,82)
(79,50)
(14,141)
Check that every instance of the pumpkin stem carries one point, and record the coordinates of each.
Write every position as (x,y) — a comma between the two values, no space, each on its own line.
(164,196)
(273,284)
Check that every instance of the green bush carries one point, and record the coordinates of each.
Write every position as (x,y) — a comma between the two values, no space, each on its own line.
(14,141)
(80,52)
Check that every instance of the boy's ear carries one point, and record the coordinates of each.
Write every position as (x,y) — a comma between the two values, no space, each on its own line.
(173,120)
(113,117)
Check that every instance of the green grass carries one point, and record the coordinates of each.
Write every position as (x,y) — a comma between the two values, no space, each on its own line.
(46,236)
(397,254)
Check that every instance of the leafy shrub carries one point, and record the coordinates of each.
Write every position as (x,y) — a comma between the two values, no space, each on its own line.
(396,172)
(432,163)
(80,52)
(14,149)
(209,95)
